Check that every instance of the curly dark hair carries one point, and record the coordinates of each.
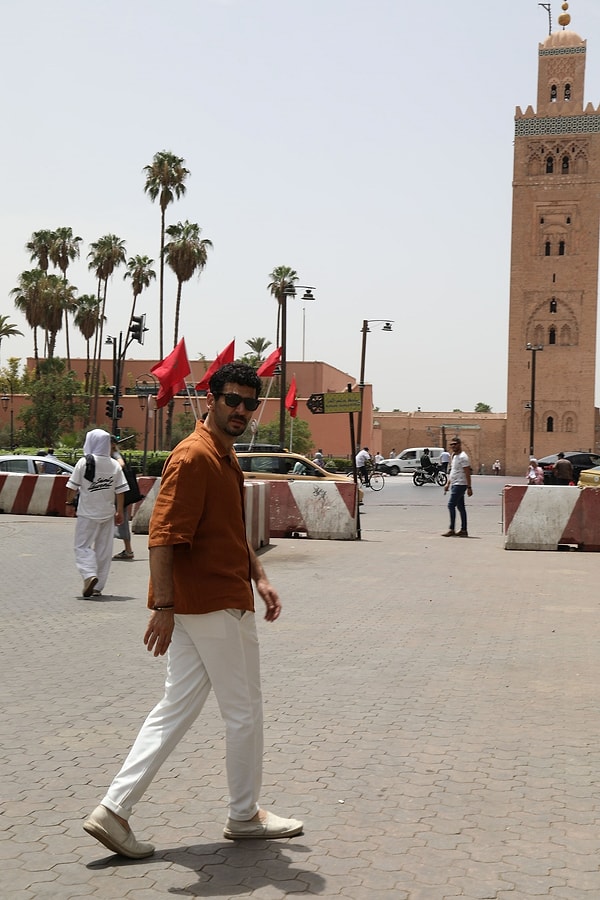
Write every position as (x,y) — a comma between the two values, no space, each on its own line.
(234,373)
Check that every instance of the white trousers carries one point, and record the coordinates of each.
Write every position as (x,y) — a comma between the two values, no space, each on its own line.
(94,547)
(218,649)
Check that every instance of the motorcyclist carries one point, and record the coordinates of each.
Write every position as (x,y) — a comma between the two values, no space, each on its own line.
(425,461)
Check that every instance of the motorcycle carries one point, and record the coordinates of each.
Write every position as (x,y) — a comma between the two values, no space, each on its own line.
(433,476)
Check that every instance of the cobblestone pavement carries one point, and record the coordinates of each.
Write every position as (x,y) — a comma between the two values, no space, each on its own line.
(431,713)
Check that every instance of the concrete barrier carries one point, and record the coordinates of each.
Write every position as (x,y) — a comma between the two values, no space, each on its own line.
(44,495)
(323,510)
(34,495)
(549,517)
(257,501)
(256,507)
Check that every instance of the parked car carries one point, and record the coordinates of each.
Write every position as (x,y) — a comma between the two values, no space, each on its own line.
(578,459)
(264,448)
(408,461)
(285,467)
(33,465)
(589,478)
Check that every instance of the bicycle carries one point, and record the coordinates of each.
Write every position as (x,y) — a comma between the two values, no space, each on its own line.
(375,480)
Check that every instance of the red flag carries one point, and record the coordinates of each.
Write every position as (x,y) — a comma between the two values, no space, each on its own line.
(267,369)
(225,356)
(171,373)
(291,401)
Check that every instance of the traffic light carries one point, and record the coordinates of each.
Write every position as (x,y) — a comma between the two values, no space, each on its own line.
(137,328)
(110,405)
(119,412)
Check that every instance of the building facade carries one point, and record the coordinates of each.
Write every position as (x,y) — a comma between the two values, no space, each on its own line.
(554,261)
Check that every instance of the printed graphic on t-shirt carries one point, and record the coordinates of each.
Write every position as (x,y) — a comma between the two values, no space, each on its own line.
(101,484)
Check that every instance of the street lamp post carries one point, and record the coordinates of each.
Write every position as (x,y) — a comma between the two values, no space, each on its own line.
(533,348)
(145,394)
(387,326)
(289,291)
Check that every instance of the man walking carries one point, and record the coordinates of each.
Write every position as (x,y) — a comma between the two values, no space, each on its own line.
(459,483)
(100,485)
(202,616)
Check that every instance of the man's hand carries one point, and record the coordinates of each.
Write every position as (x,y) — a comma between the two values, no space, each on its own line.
(159,631)
(271,598)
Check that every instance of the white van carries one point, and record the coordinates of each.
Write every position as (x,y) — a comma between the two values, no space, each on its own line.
(409,460)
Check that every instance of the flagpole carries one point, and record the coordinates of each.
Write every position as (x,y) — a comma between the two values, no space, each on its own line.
(191,399)
(262,409)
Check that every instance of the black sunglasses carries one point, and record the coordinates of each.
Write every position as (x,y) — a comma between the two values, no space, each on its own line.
(233,400)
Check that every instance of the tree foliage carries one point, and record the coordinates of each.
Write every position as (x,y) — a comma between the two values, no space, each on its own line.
(482,408)
(300,441)
(56,402)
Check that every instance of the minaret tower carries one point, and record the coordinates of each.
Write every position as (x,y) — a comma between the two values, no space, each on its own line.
(554,261)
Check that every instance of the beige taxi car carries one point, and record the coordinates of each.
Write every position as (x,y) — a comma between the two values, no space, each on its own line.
(284,466)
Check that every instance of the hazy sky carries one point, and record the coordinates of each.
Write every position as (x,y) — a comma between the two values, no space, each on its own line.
(368,145)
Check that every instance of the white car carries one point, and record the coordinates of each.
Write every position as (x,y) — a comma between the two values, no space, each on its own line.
(408,461)
(33,465)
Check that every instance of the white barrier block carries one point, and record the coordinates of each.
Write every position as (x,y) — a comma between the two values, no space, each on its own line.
(541,518)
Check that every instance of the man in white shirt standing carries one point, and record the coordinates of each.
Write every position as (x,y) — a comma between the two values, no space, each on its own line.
(459,483)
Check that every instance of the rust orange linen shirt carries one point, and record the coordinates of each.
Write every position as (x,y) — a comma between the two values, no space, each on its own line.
(199,511)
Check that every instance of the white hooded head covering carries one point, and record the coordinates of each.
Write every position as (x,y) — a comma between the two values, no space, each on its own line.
(97,442)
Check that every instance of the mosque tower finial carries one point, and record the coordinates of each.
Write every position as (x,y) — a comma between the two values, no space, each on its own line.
(564,18)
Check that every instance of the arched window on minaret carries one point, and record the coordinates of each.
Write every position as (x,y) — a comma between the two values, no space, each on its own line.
(569,424)
(553,93)
(552,335)
(550,423)
(538,335)
(561,248)
(567,91)
(565,336)
(547,248)
(565,165)
(549,165)
(553,305)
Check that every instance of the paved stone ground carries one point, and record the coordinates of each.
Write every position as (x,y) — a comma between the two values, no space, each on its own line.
(431,712)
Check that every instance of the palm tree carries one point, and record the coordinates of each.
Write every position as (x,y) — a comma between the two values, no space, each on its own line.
(139,269)
(27,299)
(165,177)
(186,254)
(87,319)
(7,330)
(62,251)
(56,299)
(258,346)
(39,247)
(281,286)
(105,255)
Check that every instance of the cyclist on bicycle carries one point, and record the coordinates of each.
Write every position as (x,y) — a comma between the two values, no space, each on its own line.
(363,458)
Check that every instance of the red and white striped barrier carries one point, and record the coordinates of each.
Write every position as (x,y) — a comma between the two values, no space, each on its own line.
(256,504)
(44,495)
(34,495)
(257,501)
(323,510)
(544,517)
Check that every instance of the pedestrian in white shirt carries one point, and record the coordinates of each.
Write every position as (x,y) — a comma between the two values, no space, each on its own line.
(99,482)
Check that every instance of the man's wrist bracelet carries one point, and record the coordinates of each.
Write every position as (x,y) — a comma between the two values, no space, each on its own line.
(160,608)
